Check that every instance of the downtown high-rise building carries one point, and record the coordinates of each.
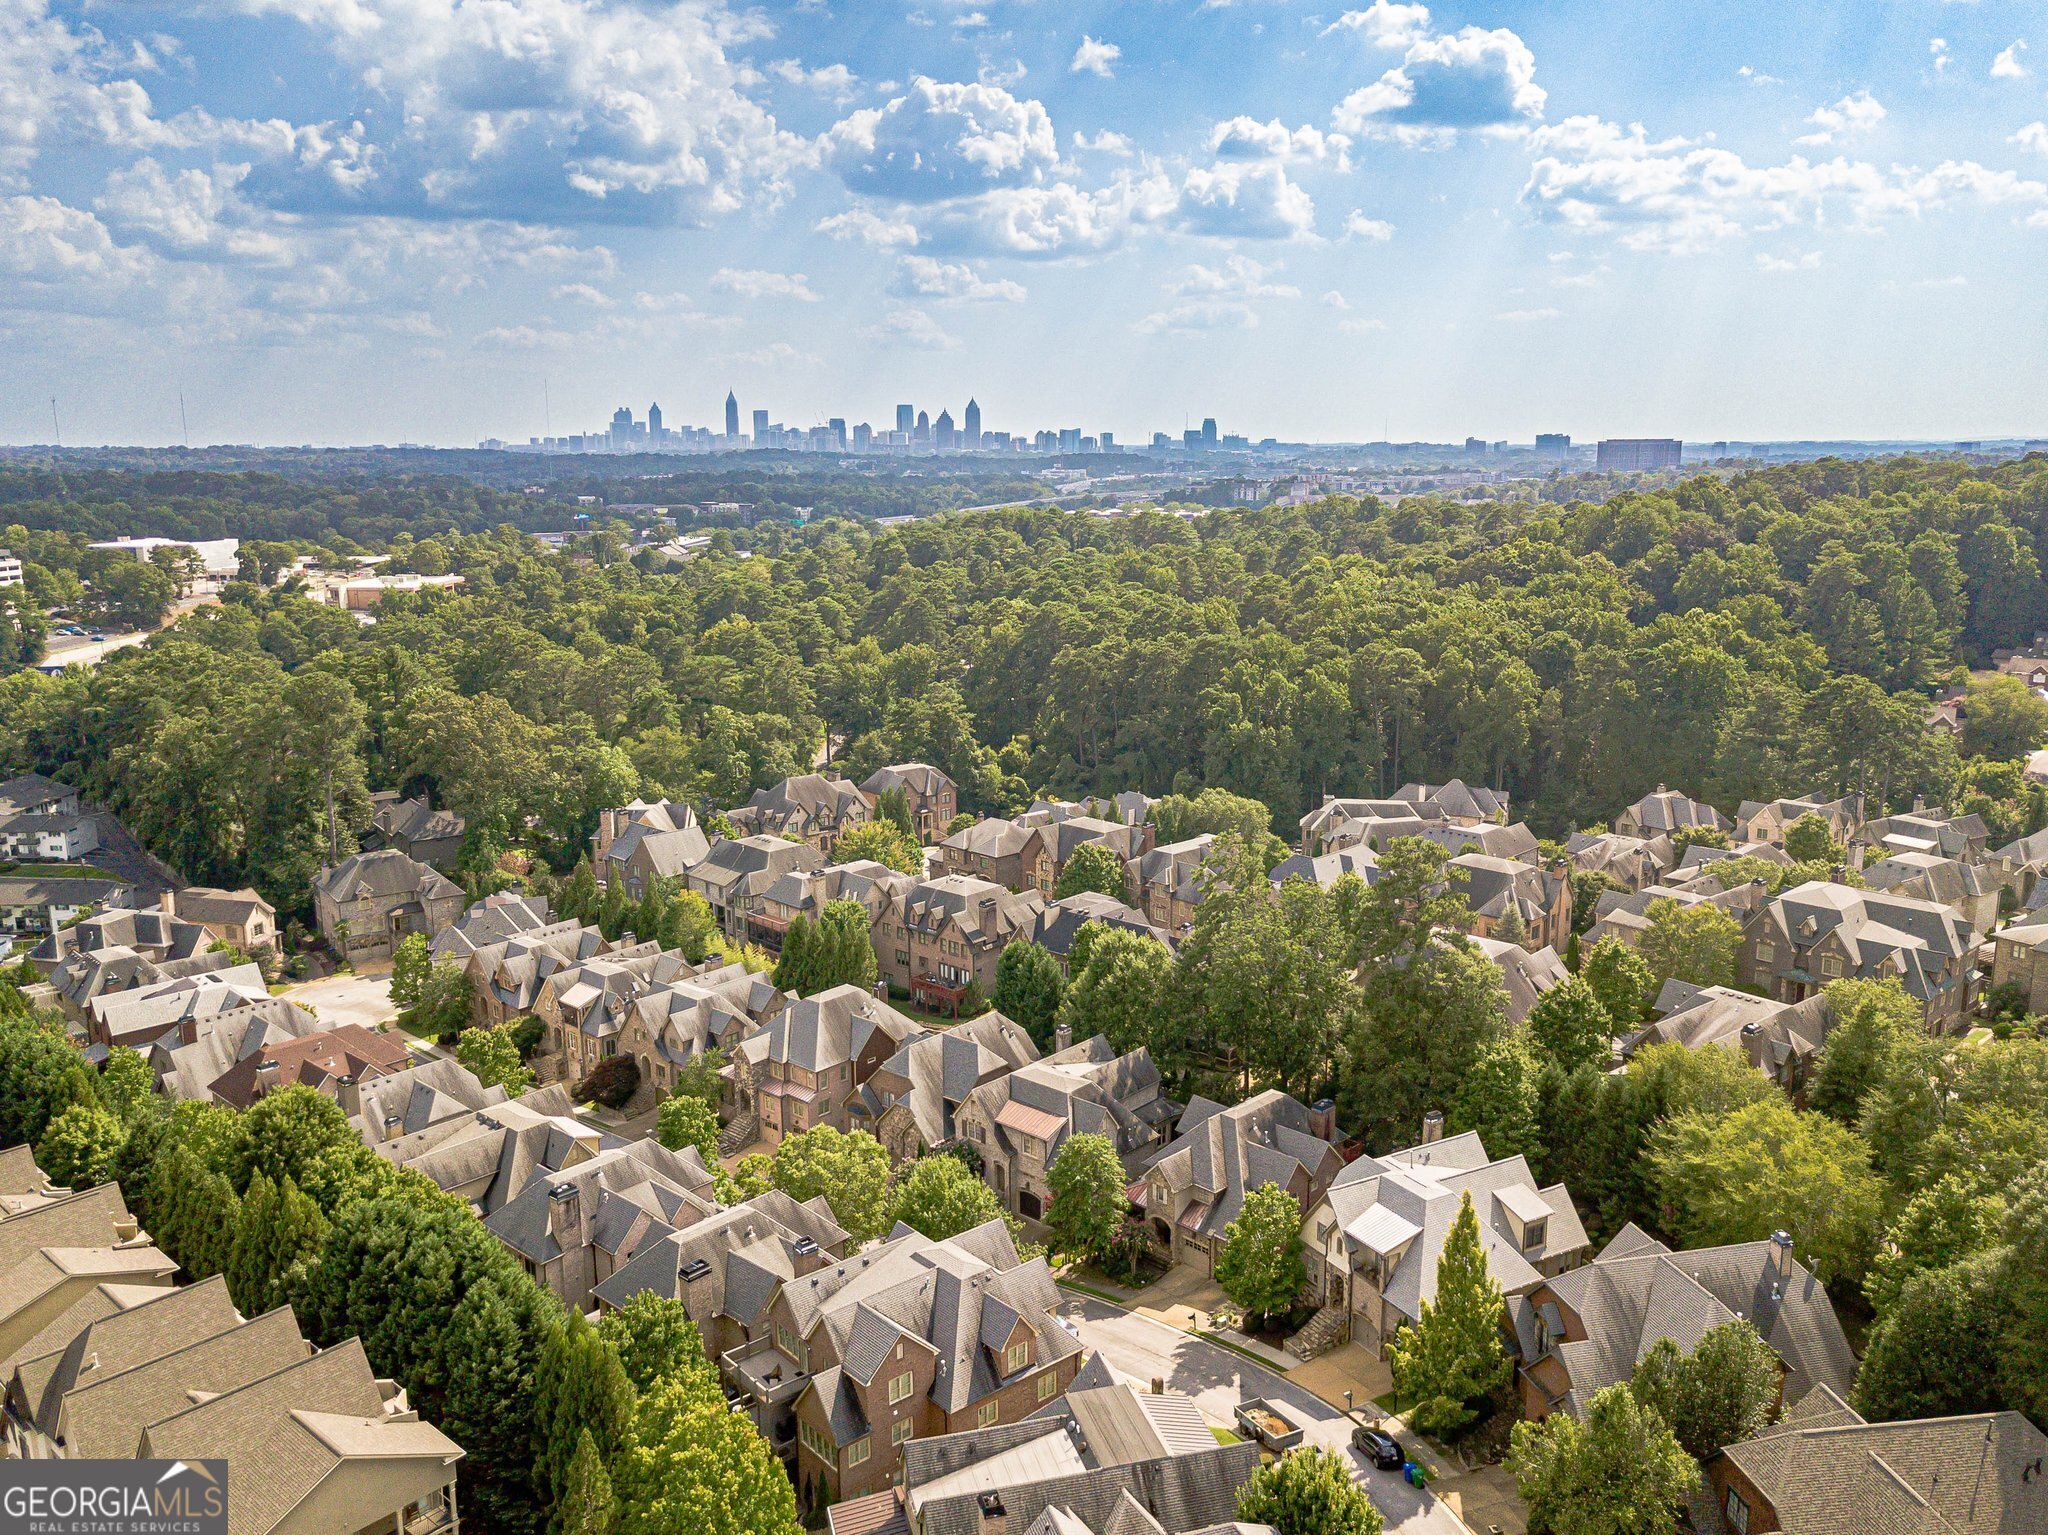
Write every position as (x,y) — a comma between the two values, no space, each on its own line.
(760,427)
(732,416)
(970,425)
(906,419)
(654,423)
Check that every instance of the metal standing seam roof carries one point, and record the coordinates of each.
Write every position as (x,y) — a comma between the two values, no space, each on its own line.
(1026,1120)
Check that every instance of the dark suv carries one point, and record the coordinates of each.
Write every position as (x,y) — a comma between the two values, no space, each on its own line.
(1383,1450)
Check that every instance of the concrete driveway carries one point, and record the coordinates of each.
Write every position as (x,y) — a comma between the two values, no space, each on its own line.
(352,998)
(1138,1349)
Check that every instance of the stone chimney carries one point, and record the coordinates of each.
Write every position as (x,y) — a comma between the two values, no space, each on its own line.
(1781,1260)
(348,1092)
(1062,1036)
(988,916)
(565,1216)
(1432,1127)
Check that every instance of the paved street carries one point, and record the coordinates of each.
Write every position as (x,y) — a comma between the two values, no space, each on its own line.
(339,999)
(1139,1348)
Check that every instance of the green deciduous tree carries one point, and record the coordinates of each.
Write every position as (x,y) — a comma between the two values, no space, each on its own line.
(1501,1099)
(1620,980)
(1569,1025)
(849,1168)
(657,1341)
(1119,989)
(685,1121)
(1738,1177)
(694,1467)
(284,1134)
(1421,1025)
(940,1197)
(885,843)
(1091,866)
(492,1054)
(1029,985)
(1696,944)
(1941,1225)
(79,1146)
(1722,1392)
(127,1086)
(1260,1264)
(1088,1200)
(411,965)
(1309,1492)
(1620,1472)
(1451,1357)
(1811,840)
(1935,1350)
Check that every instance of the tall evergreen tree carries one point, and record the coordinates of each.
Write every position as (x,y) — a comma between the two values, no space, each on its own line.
(578,1385)
(279,1233)
(585,1507)
(1451,1357)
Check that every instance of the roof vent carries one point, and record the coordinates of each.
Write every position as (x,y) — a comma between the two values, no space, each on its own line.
(803,1247)
(694,1270)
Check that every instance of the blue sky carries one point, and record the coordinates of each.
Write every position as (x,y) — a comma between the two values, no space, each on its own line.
(341,221)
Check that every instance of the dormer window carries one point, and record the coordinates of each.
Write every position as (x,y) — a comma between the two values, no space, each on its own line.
(1017,1358)
(1532,1235)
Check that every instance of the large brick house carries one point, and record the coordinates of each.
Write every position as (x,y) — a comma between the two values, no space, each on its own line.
(999,851)
(935,939)
(799,1070)
(808,807)
(1516,901)
(737,874)
(933,798)
(1818,932)
(1168,883)
(1192,1191)
(912,1100)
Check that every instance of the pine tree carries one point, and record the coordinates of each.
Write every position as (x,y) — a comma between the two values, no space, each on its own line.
(491,1377)
(578,1384)
(279,1233)
(1452,1356)
(795,968)
(198,1213)
(586,1505)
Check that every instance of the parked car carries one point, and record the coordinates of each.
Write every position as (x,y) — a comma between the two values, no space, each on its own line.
(72,629)
(1382,1449)
(99,637)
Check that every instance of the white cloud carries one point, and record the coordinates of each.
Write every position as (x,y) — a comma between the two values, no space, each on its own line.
(954,282)
(1360,327)
(192,213)
(869,228)
(1858,112)
(1937,51)
(939,140)
(1217,297)
(1681,195)
(1246,138)
(750,283)
(43,240)
(2034,136)
(775,354)
(1801,263)
(1336,300)
(1235,200)
(1104,143)
(1358,227)
(1385,23)
(1095,57)
(524,338)
(2007,65)
(1057,219)
(1528,316)
(834,80)
(910,328)
(1757,76)
(583,293)
(1446,82)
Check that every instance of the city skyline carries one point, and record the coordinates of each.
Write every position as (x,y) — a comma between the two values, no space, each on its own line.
(286,221)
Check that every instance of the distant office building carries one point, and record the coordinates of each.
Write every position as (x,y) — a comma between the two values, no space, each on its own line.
(622,427)
(654,423)
(906,419)
(1635,455)
(1208,431)
(732,415)
(921,434)
(1475,444)
(837,427)
(10,568)
(1109,442)
(942,432)
(1191,440)
(760,427)
(863,437)
(1161,440)
(1070,439)
(1553,444)
(970,425)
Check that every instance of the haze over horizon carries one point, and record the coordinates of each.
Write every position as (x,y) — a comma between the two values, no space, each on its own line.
(353,221)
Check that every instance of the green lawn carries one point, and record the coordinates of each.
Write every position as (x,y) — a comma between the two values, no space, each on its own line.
(59,871)
(1223,1435)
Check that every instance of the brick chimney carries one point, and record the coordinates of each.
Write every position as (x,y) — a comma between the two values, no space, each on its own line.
(1781,1260)
(565,1216)
(1322,1119)
(988,916)
(1062,1036)
(1432,1127)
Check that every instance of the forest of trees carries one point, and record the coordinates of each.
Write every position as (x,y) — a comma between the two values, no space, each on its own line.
(1777,632)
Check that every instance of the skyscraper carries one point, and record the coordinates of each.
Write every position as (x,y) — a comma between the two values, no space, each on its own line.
(732,416)
(942,432)
(654,423)
(1208,431)
(970,425)
(622,426)
(921,434)
(906,418)
(760,428)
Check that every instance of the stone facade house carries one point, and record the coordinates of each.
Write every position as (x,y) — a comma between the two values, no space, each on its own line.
(937,938)
(1168,883)
(1057,840)
(806,892)
(813,1056)
(615,847)
(1058,922)
(333,1062)
(911,1339)
(1526,973)
(1780,1039)
(652,1006)
(808,808)
(1823,1470)
(1517,901)
(2019,957)
(1582,1330)
(240,918)
(1325,869)
(1003,852)
(1192,1190)
(1625,915)
(1927,831)
(934,799)
(1664,811)
(416,829)
(1819,932)
(1630,862)
(1967,889)
(911,1101)
(1766,821)
(370,903)
(1374,1238)
(1017,1122)
(737,874)
(1458,802)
